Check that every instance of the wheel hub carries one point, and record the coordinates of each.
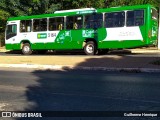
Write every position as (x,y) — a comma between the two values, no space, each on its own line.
(26,49)
(90,48)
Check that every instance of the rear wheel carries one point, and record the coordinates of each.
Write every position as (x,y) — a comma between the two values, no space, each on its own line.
(26,49)
(90,48)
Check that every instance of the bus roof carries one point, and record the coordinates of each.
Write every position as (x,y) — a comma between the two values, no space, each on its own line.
(79,11)
(75,10)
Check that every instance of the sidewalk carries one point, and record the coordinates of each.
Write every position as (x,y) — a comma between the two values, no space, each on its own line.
(116,62)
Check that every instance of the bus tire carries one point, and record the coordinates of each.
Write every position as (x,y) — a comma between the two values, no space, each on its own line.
(26,49)
(90,48)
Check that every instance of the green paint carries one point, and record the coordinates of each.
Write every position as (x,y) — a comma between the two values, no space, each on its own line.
(12,46)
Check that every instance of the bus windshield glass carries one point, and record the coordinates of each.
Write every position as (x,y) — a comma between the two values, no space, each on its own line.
(154,14)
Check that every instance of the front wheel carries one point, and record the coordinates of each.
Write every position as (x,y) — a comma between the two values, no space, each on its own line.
(26,49)
(90,48)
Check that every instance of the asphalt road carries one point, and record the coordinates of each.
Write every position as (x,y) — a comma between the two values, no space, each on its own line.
(44,90)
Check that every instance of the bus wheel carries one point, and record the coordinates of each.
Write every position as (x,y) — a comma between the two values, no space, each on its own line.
(90,48)
(26,49)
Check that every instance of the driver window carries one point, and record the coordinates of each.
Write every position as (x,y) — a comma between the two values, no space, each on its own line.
(11,31)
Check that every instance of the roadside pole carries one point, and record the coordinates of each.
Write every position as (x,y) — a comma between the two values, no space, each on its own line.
(159,30)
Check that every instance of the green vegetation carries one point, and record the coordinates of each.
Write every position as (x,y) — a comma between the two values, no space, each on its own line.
(10,8)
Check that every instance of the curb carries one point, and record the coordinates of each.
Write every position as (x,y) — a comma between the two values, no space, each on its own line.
(69,67)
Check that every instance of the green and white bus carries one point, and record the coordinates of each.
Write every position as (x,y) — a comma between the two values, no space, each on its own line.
(88,29)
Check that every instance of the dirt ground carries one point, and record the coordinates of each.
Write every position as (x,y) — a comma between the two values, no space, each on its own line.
(44,60)
(110,61)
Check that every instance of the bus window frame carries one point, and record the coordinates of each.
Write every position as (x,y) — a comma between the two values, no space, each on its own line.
(59,27)
(135,18)
(124,19)
(74,22)
(33,26)
(94,21)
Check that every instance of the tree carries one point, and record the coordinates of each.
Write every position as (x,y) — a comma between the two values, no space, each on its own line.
(3,16)
(76,4)
(113,3)
(31,7)
(42,7)
(28,7)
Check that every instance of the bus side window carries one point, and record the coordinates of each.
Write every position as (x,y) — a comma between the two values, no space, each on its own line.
(35,25)
(114,19)
(40,25)
(98,20)
(22,26)
(89,21)
(56,23)
(93,21)
(135,18)
(74,22)
(69,23)
(25,25)
(139,20)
